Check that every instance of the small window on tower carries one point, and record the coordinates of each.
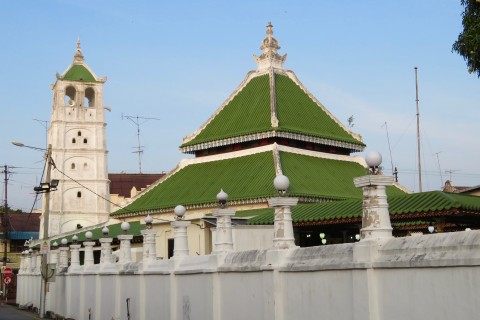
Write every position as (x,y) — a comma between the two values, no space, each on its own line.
(73,166)
(74,141)
(79,194)
(85,140)
(85,165)
(79,133)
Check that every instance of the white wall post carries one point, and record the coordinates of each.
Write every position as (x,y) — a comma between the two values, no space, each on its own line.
(149,248)
(125,255)
(375,217)
(180,238)
(63,259)
(74,257)
(283,237)
(88,253)
(224,236)
(106,251)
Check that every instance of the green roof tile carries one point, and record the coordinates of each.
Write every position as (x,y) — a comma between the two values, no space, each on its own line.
(433,201)
(247,177)
(248,112)
(114,231)
(298,113)
(78,72)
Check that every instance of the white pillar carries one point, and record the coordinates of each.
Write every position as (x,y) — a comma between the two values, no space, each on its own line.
(224,236)
(54,256)
(74,257)
(38,263)
(283,237)
(28,263)
(106,251)
(375,217)
(125,251)
(88,261)
(63,259)
(149,248)
(180,238)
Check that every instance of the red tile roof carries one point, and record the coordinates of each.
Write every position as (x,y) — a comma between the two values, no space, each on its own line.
(122,183)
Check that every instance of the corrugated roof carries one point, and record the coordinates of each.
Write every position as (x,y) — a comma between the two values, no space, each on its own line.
(425,202)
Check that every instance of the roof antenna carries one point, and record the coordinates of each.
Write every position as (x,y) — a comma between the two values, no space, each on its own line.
(389,149)
(139,149)
(439,168)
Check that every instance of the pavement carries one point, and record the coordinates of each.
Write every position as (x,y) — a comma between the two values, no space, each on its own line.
(9,311)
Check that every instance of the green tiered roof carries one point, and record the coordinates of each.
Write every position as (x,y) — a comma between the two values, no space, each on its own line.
(252,113)
(298,113)
(250,178)
(415,206)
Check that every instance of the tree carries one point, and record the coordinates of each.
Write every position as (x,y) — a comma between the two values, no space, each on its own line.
(468,42)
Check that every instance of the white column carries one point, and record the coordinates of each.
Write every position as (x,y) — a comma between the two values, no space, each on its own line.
(180,238)
(74,257)
(283,237)
(149,248)
(125,251)
(88,253)
(224,236)
(38,264)
(63,259)
(375,217)
(53,256)
(28,263)
(106,251)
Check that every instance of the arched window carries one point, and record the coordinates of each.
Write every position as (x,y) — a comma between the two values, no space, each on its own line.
(73,140)
(73,166)
(89,100)
(70,95)
(85,166)
(79,133)
(79,194)
(85,140)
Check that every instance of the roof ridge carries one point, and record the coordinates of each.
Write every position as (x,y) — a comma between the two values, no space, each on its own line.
(273,98)
(250,75)
(291,75)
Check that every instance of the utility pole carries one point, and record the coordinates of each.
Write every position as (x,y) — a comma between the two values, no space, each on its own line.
(5,224)
(418,132)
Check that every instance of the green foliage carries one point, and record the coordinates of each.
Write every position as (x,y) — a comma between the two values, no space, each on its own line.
(468,42)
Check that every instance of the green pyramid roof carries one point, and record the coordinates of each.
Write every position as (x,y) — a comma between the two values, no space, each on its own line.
(248,116)
(79,72)
(249,179)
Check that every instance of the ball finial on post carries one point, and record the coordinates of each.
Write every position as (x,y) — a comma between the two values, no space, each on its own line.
(374,160)
(281,184)
(179,212)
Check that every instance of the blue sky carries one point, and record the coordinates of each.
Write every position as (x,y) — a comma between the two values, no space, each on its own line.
(179,60)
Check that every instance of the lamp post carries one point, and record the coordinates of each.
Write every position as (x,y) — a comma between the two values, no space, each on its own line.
(45,187)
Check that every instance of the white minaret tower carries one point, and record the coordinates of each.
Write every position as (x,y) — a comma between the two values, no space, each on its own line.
(77,136)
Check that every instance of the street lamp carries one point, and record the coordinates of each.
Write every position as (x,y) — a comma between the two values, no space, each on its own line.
(45,187)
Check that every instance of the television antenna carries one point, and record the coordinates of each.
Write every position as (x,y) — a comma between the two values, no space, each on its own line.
(138,121)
